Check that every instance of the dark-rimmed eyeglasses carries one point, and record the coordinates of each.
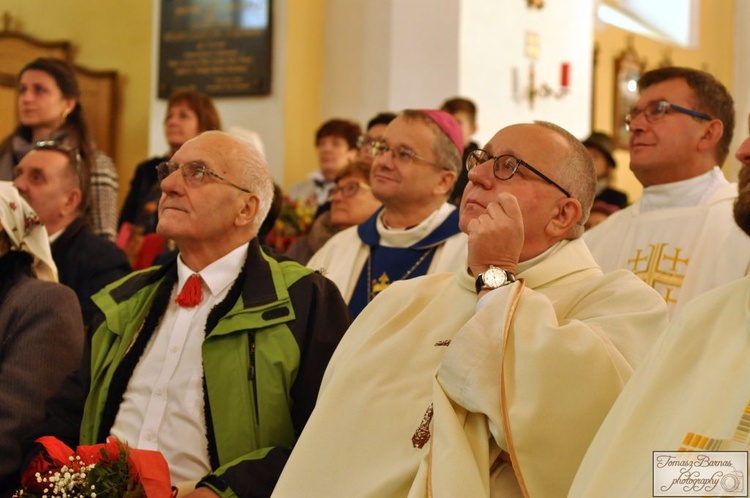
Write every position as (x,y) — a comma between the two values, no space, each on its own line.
(505,166)
(72,152)
(348,189)
(194,173)
(401,155)
(654,111)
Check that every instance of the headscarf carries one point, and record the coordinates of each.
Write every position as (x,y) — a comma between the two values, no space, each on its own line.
(25,231)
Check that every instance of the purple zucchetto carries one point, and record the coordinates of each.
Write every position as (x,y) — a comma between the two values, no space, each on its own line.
(449,125)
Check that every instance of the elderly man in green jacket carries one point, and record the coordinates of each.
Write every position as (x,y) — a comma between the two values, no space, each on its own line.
(215,358)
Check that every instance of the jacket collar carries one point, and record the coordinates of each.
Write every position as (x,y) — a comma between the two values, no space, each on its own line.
(69,233)
(263,293)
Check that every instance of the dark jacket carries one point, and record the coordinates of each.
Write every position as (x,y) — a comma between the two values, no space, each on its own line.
(142,200)
(286,318)
(86,263)
(41,342)
(614,197)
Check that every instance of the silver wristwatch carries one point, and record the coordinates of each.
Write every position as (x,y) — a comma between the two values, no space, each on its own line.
(493,278)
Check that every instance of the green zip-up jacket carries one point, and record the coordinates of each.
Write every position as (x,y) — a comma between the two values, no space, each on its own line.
(266,348)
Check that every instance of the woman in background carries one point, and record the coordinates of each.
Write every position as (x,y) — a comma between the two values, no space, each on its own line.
(49,110)
(352,203)
(41,330)
(188,115)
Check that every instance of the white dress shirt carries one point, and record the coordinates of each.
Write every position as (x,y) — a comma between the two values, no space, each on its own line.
(163,405)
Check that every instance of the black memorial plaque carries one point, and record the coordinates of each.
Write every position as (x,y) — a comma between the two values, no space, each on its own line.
(219,47)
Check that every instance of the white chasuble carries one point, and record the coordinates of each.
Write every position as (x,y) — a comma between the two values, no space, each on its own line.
(692,393)
(681,252)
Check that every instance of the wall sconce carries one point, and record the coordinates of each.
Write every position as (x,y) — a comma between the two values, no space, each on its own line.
(543,90)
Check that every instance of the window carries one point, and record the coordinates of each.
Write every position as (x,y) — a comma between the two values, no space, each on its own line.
(670,21)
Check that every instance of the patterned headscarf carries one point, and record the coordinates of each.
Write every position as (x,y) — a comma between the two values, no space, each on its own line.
(25,231)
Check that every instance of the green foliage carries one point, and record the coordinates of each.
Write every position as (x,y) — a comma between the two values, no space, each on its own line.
(111,477)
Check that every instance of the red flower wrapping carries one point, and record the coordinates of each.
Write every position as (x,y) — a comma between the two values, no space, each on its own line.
(148,467)
(54,456)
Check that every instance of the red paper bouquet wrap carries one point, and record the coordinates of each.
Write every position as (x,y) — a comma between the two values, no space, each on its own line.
(146,467)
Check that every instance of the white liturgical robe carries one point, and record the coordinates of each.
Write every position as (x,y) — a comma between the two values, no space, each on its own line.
(575,339)
(692,393)
(680,251)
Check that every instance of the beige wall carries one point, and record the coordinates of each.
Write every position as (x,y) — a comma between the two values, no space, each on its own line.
(713,55)
(112,35)
(303,86)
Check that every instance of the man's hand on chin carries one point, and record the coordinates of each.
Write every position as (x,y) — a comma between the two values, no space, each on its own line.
(496,237)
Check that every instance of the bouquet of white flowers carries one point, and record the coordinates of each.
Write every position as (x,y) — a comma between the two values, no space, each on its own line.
(110,470)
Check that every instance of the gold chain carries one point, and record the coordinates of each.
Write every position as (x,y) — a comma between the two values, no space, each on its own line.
(370,295)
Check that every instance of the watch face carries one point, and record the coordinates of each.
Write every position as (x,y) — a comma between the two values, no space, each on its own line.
(494,278)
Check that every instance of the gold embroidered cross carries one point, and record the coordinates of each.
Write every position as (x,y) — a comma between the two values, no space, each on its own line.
(380,284)
(653,274)
(675,259)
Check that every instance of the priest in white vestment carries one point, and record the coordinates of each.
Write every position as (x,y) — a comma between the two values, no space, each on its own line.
(491,380)
(679,237)
(691,394)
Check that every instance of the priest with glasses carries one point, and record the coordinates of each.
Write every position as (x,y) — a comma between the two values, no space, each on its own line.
(679,237)
(416,231)
(490,380)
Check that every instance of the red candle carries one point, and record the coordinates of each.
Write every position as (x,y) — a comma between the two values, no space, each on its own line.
(565,74)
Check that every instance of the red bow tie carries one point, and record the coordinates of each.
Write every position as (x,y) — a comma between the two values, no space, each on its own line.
(191,294)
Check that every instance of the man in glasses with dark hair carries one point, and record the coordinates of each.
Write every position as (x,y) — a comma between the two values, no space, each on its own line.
(416,232)
(490,380)
(49,177)
(679,237)
(215,357)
